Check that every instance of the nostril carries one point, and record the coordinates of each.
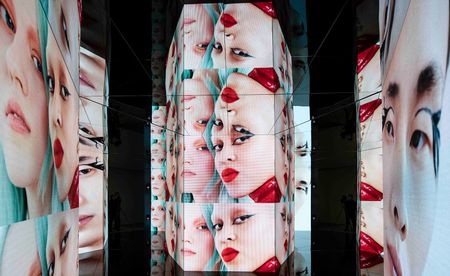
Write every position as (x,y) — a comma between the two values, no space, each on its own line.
(396,213)
(403,229)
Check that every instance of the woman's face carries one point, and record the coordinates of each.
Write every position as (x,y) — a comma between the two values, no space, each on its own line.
(197,245)
(303,168)
(198,166)
(158,117)
(156,131)
(282,231)
(412,101)
(171,162)
(171,227)
(158,214)
(91,171)
(158,149)
(171,68)
(64,22)
(158,182)
(198,106)
(239,239)
(92,81)
(20,247)
(237,45)
(198,29)
(62,244)
(63,115)
(241,136)
(158,240)
(24,120)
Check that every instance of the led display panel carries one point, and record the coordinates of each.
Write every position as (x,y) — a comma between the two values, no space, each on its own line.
(222,148)
(414,86)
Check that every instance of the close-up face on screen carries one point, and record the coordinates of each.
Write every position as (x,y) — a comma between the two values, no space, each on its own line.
(411,135)
(39,129)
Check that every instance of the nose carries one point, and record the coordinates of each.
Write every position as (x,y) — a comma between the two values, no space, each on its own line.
(56,109)
(399,186)
(17,57)
(228,153)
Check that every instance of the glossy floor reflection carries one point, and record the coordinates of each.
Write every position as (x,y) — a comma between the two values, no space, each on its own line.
(127,253)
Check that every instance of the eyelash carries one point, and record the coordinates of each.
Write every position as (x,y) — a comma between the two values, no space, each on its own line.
(235,222)
(217,46)
(240,53)
(63,244)
(51,87)
(7,18)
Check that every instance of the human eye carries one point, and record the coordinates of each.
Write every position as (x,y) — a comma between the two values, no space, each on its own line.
(241,129)
(240,52)
(202,122)
(63,244)
(51,84)
(6,17)
(202,46)
(64,28)
(217,147)
(218,123)
(51,268)
(389,129)
(202,227)
(171,215)
(241,140)
(65,92)
(217,46)
(283,216)
(86,170)
(37,63)
(202,148)
(241,219)
(418,139)
(218,226)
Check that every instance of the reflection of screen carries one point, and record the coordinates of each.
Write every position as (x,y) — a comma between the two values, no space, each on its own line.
(303,145)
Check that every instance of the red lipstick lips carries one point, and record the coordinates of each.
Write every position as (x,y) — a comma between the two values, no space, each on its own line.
(370,251)
(227,20)
(16,118)
(229,95)
(229,174)
(58,153)
(229,254)
(369,193)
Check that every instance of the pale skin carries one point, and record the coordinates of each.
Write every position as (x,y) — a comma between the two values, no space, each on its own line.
(412,95)
(24,102)
(238,226)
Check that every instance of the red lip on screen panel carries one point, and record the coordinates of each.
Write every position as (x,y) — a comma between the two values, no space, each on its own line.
(58,153)
(227,20)
(370,251)
(172,244)
(229,254)
(366,110)
(267,8)
(285,245)
(369,193)
(229,95)
(229,174)
(267,77)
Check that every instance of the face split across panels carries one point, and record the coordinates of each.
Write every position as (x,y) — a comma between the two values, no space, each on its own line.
(222,165)
(39,177)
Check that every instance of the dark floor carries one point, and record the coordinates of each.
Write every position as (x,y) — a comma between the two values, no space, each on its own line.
(334,253)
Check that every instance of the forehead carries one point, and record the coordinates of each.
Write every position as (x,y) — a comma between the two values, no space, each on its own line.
(423,40)
(195,87)
(192,212)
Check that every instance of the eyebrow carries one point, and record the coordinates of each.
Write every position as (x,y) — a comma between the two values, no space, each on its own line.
(427,79)
(392,90)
